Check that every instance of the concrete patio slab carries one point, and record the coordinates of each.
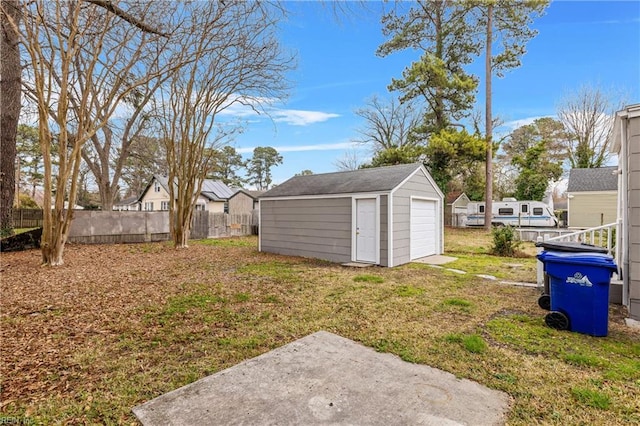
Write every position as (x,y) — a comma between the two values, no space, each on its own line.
(325,379)
(436,259)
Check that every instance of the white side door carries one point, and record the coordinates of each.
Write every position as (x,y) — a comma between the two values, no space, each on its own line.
(365,229)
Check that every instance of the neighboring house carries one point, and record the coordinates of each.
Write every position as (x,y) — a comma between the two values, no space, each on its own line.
(213,196)
(625,142)
(244,201)
(386,216)
(128,204)
(592,197)
(455,213)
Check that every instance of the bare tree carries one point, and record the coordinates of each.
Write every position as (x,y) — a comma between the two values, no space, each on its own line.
(235,57)
(587,116)
(388,123)
(146,158)
(107,151)
(10,87)
(74,50)
(350,160)
(10,90)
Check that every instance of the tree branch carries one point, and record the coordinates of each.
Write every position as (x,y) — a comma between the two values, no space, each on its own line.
(109,6)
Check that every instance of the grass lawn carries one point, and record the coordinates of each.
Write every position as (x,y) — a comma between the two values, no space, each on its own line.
(121,324)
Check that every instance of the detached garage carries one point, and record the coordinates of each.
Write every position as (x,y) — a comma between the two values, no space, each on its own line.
(385,216)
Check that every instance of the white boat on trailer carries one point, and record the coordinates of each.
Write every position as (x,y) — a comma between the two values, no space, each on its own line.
(511,212)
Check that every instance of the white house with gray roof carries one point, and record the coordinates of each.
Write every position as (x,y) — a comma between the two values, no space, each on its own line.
(385,216)
(592,197)
(213,197)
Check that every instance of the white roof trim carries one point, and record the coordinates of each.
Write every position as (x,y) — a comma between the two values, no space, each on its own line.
(426,174)
(321,196)
(631,111)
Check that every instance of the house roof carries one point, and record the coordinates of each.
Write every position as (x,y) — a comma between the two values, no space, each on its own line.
(213,190)
(127,201)
(363,180)
(249,193)
(596,179)
(454,196)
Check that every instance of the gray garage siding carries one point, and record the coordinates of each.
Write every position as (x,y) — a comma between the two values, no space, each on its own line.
(633,213)
(319,228)
(416,186)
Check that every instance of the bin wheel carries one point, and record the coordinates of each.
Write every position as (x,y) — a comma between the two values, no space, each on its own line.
(557,320)
(544,302)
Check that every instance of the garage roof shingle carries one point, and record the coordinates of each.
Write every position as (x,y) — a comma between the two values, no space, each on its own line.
(363,180)
(596,179)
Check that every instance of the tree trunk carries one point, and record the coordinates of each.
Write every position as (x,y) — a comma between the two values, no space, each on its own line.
(488,193)
(183,224)
(52,247)
(10,93)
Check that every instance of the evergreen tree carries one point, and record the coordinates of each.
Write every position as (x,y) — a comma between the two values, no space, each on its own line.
(536,171)
(30,157)
(259,167)
(505,22)
(441,31)
(226,164)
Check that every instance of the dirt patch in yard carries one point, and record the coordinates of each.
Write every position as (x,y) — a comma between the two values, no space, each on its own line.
(52,316)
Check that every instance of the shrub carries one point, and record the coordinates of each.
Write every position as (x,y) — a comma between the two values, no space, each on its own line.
(505,241)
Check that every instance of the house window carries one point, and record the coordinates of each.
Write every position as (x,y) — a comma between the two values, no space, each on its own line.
(148,206)
(505,211)
(156,187)
(481,209)
(226,207)
(525,208)
(199,207)
(537,211)
(164,205)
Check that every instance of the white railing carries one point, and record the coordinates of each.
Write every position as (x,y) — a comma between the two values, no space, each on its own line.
(601,236)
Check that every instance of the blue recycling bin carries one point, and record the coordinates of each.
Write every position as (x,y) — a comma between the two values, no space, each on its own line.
(544,301)
(579,290)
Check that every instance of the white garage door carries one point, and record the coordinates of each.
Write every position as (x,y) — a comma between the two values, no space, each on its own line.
(423,228)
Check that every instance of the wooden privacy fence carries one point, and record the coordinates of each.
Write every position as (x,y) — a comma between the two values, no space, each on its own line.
(27,218)
(111,227)
(231,225)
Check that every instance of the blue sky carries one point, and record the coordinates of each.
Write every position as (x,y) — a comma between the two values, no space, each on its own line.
(586,42)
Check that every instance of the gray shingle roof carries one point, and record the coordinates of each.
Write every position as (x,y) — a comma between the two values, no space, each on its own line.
(363,180)
(599,179)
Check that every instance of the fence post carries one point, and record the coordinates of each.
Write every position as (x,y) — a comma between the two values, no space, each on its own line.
(540,265)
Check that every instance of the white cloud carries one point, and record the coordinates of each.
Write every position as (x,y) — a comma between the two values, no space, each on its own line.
(514,124)
(293,117)
(301,148)
(296,117)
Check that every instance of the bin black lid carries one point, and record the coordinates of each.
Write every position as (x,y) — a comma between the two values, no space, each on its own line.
(592,259)
(571,247)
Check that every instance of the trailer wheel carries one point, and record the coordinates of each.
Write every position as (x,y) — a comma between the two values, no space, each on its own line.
(544,302)
(557,320)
